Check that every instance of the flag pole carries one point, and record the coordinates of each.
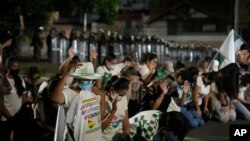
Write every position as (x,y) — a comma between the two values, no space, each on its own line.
(236,15)
(210,63)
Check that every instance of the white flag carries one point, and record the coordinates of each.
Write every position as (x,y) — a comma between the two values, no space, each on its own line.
(229,48)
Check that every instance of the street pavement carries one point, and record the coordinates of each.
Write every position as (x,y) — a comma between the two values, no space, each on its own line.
(213,131)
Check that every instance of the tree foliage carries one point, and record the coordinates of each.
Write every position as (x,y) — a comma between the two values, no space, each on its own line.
(36,12)
(68,8)
(107,9)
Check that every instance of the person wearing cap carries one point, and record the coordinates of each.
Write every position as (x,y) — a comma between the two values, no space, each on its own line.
(82,105)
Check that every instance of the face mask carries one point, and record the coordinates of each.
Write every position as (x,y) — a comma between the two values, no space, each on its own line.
(117,97)
(112,67)
(85,85)
(14,71)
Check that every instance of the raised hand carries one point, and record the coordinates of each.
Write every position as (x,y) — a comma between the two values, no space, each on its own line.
(97,91)
(93,54)
(26,98)
(186,87)
(7,43)
(165,87)
(114,104)
(71,67)
(4,89)
(71,52)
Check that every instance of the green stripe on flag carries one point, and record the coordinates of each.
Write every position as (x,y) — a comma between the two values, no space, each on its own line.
(236,36)
(220,58)
(229,48)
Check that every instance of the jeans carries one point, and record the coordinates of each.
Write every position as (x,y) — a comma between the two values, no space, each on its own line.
(242,109)
(192,116)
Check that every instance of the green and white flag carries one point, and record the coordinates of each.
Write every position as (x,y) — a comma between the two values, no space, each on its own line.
(229,48)
(148,121)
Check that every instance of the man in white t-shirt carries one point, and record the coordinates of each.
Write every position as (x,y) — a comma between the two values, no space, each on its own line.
(202,90)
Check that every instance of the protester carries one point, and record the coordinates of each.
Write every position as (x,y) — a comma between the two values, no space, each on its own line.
(148,67)
(243,55)
(106,70)
(82,123)
(32,78)
(201,94)
(226,89)
(45,110)
(116,120)
(134,92)
(173,125)
(19,115)
(242,102)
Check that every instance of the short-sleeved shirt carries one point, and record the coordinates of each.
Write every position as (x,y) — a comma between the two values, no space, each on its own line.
(60,129)
(204,89)
(84,117)
(116,124)
(102,70)
(105,73)
(144,70)
(69,95)
(13,102)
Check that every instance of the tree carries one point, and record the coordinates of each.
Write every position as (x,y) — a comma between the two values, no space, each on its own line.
(17,15)
(107,9)
(29,14)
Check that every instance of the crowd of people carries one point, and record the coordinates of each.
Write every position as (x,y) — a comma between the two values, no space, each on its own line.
(88,101)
